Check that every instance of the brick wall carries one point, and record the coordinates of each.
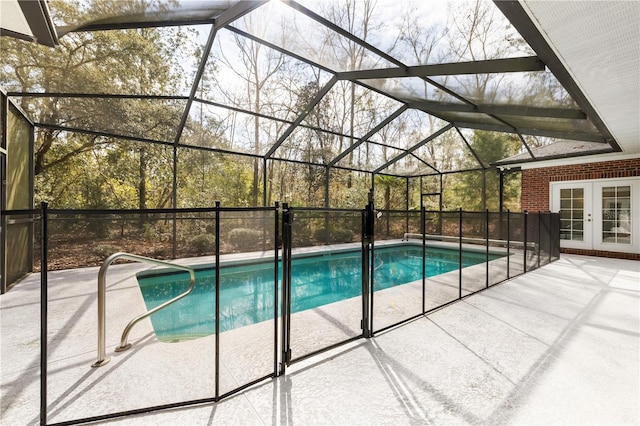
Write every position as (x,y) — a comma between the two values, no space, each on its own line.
(535,187)
(535,182)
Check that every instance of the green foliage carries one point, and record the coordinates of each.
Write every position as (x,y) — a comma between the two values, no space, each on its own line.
(464,190)
(88,171)
(390,192)
(207,177)
(245,239)
(202,243)
(105,250)
(75,170)
(333,235)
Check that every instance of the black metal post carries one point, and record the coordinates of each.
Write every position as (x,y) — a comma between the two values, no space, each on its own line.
(44,304)
(283,331)
(501,207)
(286,287)
(525,240)
(370,232)
(424,257)
(460,254)
(289,243)
(539,236)
(486,234)
(276,248)
(365,276)
(440,207)
(217,297)
(549,235)
(508,242)
(501,174)
(406,226)
(174,201)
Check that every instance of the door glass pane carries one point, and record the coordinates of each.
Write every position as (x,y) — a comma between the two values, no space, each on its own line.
(624,191)
(609,192)
(616,214)
(572,214)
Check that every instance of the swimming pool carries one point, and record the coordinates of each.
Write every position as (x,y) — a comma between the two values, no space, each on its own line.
(246,291)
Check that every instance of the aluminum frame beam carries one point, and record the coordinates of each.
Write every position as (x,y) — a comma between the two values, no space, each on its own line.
(605,150)
(519,110)
(316,99)
(366,137)
(327,23)
(414,148)
(236,11)
(521,21)
(424,162)
(578,136)
(470,148)
(196,82)
(224,18)
(526,145)
(489,66)
(96,96)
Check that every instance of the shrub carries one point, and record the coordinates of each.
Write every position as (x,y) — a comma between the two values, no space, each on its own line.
(160,252)
(105,250)
(245,239)
(203,243)
(331,236)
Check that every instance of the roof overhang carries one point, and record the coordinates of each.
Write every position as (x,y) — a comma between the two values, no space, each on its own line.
(27,20)
(592,49)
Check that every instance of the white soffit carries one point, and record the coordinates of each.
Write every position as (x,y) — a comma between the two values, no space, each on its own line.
(12,18)
(598,42)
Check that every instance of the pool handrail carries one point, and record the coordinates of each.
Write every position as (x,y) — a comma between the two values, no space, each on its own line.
(102,287)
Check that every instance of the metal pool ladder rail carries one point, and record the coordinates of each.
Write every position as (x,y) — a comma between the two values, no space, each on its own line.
(102,288)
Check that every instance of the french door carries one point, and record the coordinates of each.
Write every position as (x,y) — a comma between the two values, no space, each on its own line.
(598,215)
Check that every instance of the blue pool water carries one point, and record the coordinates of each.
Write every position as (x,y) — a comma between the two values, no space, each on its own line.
(246,292)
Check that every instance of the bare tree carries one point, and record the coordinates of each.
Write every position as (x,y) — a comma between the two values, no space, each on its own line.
(259,65)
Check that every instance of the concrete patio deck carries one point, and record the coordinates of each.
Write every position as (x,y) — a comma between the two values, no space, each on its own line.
(559,345)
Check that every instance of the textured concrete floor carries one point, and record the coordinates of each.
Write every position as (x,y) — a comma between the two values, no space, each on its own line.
(559,345)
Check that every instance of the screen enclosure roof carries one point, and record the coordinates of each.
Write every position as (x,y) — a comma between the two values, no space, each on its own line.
(379,89)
